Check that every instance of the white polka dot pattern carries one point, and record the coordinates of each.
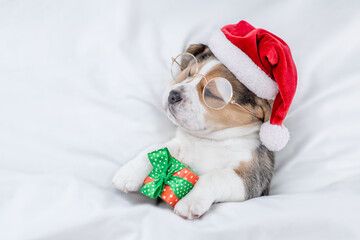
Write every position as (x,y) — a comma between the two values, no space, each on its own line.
(168,173)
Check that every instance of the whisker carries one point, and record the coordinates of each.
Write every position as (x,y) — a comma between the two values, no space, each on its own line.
(172,112)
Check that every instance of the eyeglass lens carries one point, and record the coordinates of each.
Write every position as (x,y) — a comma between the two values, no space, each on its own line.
(217,93)
(184,66)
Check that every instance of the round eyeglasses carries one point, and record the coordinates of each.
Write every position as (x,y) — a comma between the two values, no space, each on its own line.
(184,66)
(217,92)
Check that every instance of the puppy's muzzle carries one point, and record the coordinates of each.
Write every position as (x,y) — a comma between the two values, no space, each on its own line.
(174,97)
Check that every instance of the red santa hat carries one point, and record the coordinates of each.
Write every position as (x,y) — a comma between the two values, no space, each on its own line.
(263,63)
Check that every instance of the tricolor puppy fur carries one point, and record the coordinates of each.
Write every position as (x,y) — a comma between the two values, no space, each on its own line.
(223,147)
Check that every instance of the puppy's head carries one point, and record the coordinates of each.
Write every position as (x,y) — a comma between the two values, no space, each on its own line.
(185,106)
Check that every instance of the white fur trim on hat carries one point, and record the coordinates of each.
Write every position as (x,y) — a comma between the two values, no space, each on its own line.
(241,65)
(274,137)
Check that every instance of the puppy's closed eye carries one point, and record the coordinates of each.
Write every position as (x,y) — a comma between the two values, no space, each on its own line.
(210,94)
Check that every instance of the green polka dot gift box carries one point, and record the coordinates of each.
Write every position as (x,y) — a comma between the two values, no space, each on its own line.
(170,179)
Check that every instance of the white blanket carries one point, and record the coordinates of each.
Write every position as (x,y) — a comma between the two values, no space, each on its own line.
(80,94)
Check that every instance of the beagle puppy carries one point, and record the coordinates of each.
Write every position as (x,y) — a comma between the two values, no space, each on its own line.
(221,146)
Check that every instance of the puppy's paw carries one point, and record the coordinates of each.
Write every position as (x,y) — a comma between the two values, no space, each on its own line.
(128,180)
(193,206)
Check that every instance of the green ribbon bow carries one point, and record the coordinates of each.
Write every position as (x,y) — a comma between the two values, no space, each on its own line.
(164,168)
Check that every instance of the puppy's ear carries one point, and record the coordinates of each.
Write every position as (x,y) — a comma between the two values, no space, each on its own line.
(196,49)
(263,109)
(267,110)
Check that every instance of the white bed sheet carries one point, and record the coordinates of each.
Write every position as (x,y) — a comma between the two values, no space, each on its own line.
(80,94)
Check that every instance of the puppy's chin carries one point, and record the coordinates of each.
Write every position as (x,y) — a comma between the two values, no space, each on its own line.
(186,117)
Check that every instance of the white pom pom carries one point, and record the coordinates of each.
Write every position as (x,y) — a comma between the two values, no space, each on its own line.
(274,137)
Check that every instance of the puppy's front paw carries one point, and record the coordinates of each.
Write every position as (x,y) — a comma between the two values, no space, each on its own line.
(128,180)
(193,206)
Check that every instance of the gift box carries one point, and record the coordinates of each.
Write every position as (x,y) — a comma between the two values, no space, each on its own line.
(170,179)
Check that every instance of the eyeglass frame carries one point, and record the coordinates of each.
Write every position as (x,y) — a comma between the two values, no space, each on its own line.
(232,101)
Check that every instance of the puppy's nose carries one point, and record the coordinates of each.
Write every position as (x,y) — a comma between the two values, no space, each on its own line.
(174,97)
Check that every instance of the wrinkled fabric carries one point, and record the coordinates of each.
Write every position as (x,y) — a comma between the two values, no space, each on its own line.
(81,87)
